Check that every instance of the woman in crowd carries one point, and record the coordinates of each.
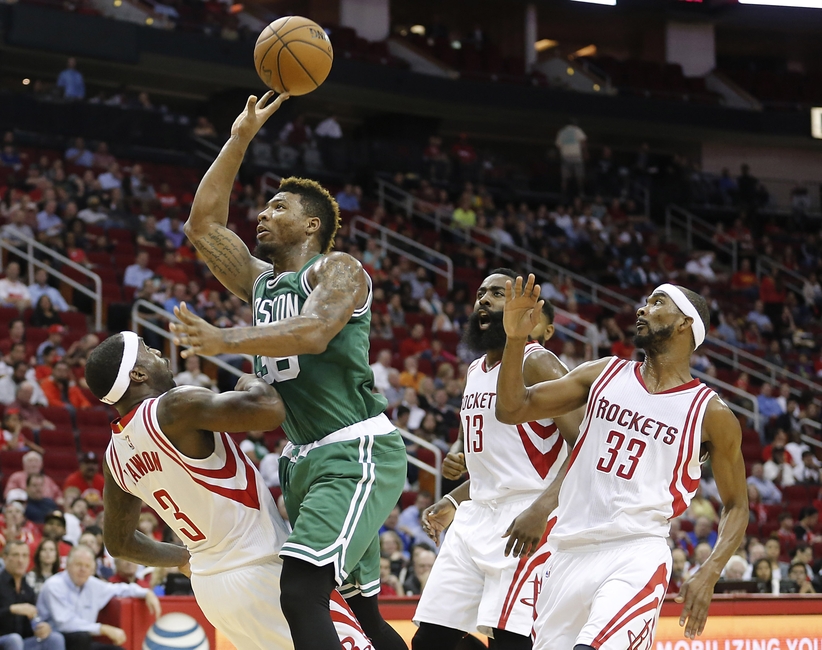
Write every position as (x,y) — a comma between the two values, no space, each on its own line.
(46,564)
(45,314)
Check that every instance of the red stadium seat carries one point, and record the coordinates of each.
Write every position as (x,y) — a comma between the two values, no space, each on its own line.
(65,461)
(93,417)
(58,416)
(57,439)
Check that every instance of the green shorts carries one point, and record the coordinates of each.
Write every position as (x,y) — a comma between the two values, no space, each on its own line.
(338,496)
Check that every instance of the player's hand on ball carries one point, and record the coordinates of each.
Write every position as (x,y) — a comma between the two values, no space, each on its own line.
(453,467)
(196,333)
(525,532)
(437,518)
(522,307)
(696,593)
(255,114)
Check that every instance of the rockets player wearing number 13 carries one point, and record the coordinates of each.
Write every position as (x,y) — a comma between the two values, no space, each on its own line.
(635,466)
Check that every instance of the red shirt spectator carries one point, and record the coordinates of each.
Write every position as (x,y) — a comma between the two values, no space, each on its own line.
(166,198)
(416,343)
(169,270)
(769,292)
(744,278)
(87,479)
(463,151)
(61,389)
(623,349)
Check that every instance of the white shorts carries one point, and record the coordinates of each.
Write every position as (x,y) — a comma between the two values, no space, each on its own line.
(473,586)
(608,596)
(244,605)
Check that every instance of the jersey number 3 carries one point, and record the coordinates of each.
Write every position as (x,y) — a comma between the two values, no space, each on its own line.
(634,450)
(166,502)
(473,438)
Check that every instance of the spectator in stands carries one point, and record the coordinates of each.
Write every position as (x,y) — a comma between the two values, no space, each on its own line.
(179,294)
(10,383)
(395,392)
(61,389)
(31,417)
(798,574)
(79,350)
(572,144)
(45,315)
(745,280)
(270,464)
(33,466)
(254,446)
(17,334)
(111,178)
(125,572)
(79,155)
(88,479)
(464,215)
(48,221)
(46,564)
(703,532)
(807,473)
(785,534)
(16,227)
(420,571)
(93,213)
(13,292)
(16,352)
(71,601)
(416,343)
(204,128)
(193,375)
(169,270)
(380,368)
(410,521)
(679,570)
(38,506)
(102,157)
(42,288)
(149,235)
(758,316)
(349,197)
(54,528)
(14,438)
(391,546)
(769,493)
(701,507)
(166,197)
(71,82)
(54,340)
(806,527)
(136,274)
(389,583)
(779,471)
(392,524)
(20,624)
(465,159)
(768,404)
(411,376)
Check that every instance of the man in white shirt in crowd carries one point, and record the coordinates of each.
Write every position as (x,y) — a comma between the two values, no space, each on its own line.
(771,495)
(48,220)
(16,226)
(41,287)
(758,317)
(136,274)
(93,212)
(380,368)
(329,128)
(13,293)
(79,155)
(193,375)
(70,601)
(111,178)
(571,142)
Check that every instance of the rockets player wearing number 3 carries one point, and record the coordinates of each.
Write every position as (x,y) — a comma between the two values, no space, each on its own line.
(635,466)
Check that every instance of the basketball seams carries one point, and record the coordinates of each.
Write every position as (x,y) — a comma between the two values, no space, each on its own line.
(279,72)
(300,63)
(279,37)
(306,43)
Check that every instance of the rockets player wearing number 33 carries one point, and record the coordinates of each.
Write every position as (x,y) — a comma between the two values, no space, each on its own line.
(635,466)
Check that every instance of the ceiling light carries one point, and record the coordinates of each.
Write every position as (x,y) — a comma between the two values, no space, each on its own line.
(418,29)
(570,71)
(588,50)
(602,2)
(802,4)
(26,82)
(816,123)
(545,44)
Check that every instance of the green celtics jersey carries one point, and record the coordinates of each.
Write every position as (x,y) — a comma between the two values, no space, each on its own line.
(322,392)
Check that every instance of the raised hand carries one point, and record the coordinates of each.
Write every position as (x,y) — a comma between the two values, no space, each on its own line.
(522,308)
(193,331)
(255,114)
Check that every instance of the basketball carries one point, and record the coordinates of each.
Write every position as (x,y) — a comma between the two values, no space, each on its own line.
(293,54)
(174,631)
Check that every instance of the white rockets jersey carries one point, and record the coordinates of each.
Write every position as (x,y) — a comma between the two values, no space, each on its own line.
(505,459)
(636,464)
(219,506)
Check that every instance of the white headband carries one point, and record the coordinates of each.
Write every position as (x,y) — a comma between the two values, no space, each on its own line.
(687,308)
(123,381)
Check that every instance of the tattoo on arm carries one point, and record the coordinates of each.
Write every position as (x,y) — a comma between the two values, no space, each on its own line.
(229,260)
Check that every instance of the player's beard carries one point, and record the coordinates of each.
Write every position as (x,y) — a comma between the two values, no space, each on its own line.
(652,340)
(492,338)
(266,251)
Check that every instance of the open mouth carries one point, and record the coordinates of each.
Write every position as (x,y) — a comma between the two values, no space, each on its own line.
(641,323)
(484,319)
(262,232)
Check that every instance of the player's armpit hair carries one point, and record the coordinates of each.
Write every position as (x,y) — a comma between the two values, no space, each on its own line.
(316,202)
(701,306)
(103,365)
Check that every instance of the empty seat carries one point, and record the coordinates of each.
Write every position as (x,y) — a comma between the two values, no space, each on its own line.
(93,417)
(57,439)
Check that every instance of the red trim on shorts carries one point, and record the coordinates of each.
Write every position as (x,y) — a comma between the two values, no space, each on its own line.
(680,469)
(248,497)
(624,616)
(676,389)
(542,462)
(524,568)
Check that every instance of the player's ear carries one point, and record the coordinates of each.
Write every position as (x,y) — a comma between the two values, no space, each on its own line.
(549,331)
(313,225)
(138,375)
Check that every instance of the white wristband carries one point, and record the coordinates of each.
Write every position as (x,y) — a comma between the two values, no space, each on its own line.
(452,500)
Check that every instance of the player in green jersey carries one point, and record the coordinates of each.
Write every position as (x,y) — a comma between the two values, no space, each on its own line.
(345,467)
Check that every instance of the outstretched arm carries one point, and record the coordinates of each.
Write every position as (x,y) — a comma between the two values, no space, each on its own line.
(121,536)
(516,403)
(723,436)
(340,287)
(225,253)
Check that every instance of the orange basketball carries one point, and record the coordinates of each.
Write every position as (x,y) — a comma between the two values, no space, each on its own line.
(293,54)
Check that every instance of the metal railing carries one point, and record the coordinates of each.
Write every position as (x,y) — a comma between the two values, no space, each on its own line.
(805,422)
(139,320)
(696,228)
(267,182)
(752,413)
(387,238)
(529,261)
(206,149)
(28,254)
(435,469)
(793,280)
